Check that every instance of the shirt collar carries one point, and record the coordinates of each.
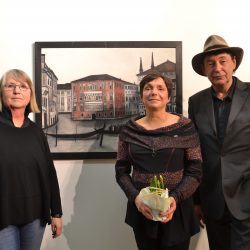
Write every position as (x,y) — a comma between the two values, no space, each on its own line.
(230,93)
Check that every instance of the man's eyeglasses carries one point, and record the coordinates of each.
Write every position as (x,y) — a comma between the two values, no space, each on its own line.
(12,86)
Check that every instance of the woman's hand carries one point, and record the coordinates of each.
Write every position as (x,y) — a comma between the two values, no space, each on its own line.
(170,212)
(56,227)
(144,209)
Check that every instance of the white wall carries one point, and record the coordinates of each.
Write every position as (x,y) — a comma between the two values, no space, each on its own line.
(94,220)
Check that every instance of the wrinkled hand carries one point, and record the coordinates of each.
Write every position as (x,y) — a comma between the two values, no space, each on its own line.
(56,227)
(170,212)
(144,209)
(200,215)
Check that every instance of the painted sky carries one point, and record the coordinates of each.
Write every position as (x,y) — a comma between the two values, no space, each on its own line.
(70,64)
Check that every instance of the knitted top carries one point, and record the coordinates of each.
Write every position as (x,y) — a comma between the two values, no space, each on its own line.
(172,151)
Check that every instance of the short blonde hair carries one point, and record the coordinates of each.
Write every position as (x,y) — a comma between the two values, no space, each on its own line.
(21,76)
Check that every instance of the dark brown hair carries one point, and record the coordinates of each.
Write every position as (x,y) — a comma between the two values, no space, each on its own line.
(154,75)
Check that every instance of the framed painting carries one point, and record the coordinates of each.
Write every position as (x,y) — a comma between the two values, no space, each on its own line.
(88,90)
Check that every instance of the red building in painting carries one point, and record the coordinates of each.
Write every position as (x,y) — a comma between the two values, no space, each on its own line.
(98,97)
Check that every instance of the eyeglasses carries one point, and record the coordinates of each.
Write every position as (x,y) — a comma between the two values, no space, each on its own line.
(11,86)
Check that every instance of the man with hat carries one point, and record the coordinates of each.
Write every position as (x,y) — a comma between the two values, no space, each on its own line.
(221,114)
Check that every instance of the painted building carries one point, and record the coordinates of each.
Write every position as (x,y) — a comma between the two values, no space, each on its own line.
(98,97)
(49,95)
(64,98)
(132,99)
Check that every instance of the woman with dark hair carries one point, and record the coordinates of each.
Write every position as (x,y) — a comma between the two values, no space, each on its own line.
(29,190)
(159,143)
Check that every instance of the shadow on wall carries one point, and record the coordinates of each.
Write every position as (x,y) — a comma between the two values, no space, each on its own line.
(98,213)
(94,210)
(68,173)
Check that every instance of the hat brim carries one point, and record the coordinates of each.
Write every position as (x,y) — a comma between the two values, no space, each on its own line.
(198,59)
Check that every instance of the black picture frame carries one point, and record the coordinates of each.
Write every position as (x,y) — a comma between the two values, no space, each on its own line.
(107,62)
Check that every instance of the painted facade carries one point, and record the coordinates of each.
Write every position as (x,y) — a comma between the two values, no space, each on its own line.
(49,95)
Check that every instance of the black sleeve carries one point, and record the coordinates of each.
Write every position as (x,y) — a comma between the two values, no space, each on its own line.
(55,202)
(123,171)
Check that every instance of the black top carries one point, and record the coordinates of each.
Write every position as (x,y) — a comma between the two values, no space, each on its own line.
(28,182)
(222,109)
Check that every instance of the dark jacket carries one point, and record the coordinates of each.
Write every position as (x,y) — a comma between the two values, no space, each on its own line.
(226,168)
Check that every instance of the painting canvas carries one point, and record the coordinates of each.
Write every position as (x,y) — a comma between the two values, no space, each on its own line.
(88,90)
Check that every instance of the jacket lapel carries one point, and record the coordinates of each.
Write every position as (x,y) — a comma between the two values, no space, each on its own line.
(239,98)
(209,108)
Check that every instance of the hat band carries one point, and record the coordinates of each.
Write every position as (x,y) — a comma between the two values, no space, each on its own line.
(216,47)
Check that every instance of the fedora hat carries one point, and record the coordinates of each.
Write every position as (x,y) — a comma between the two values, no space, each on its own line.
(215,44)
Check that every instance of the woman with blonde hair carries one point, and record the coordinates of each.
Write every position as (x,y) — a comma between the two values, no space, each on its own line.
(29,190)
